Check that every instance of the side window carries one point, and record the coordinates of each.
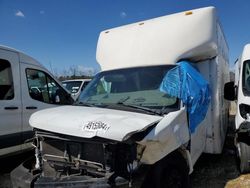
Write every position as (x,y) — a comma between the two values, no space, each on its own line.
(43,88)
(6,81)
(247,75)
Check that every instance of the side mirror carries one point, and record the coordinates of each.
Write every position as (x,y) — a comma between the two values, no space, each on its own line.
(63,97)
(57,99)
(230,91)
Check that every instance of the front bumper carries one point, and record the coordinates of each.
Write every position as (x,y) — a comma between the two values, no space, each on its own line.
(81,182)
(22,177)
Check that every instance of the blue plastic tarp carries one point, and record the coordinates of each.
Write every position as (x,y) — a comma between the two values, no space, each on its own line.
(186,83)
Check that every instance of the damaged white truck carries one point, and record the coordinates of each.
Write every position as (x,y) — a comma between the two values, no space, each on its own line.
(145,119)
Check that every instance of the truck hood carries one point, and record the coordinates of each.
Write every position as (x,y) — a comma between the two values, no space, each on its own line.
(88,122)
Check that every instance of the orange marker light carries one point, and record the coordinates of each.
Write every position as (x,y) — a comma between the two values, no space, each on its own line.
(188,13)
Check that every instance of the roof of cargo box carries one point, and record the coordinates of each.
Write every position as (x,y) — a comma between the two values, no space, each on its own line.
(22,56)
(165,40)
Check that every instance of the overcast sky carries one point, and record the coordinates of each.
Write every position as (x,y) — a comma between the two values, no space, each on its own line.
(64,33)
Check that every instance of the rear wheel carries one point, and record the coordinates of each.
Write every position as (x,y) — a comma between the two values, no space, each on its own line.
(243,153)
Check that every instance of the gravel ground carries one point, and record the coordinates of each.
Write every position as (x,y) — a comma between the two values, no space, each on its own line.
(214,171)
(217,171)
(221,170)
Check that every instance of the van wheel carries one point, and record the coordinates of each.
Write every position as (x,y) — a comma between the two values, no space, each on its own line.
(170,172)
(243,154)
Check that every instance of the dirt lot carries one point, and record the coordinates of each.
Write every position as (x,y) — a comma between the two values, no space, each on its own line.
(219,171)
(214,171)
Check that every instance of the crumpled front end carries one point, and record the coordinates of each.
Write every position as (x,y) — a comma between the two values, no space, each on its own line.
(64,161)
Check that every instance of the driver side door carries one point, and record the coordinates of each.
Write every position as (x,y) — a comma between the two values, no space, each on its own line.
(40,91)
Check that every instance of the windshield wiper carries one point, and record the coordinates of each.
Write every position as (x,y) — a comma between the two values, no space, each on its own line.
(84,104)
(140,108)
(165,110)
(122,100)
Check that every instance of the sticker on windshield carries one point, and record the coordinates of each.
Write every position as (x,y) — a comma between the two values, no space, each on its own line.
(94,126)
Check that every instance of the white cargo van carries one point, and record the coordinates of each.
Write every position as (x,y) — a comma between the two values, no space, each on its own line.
(132,127)
(25,87)
(239,90)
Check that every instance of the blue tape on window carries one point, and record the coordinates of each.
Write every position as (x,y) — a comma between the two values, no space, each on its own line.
(186,83)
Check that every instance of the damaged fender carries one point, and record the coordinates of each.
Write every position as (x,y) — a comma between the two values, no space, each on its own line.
(170,133)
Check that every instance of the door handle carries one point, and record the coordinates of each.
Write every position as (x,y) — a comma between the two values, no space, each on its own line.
(31,107)
(11,108)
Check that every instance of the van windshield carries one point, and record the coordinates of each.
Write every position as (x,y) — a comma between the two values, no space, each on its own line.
(246,78)
(132,86)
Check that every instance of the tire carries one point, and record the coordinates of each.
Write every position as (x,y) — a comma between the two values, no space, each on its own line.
(170,172)
(243,154)
(22,177)
(174,177)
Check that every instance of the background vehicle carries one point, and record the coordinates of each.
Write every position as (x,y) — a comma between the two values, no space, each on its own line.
(75,86)
(25,87)
(127,130)
(240,91)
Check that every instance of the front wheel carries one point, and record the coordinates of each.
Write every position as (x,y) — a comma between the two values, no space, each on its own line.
(170,172)
(175,176)
(243,154)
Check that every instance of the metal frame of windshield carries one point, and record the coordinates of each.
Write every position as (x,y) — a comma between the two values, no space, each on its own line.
(174,107)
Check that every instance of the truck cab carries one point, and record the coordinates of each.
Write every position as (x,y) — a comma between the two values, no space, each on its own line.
(25,87)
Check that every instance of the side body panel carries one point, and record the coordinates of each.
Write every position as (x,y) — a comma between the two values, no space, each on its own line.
(219,108)
(216,120)
(10,109)
(240,96)
(237,72)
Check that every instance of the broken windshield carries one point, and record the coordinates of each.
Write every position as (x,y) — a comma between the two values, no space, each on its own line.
(132,86)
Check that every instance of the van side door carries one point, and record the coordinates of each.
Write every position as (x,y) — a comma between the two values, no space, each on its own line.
(40,91)
(10,101)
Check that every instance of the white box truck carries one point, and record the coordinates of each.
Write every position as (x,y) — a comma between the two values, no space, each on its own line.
(239,91)
(25,87)
(131,128)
